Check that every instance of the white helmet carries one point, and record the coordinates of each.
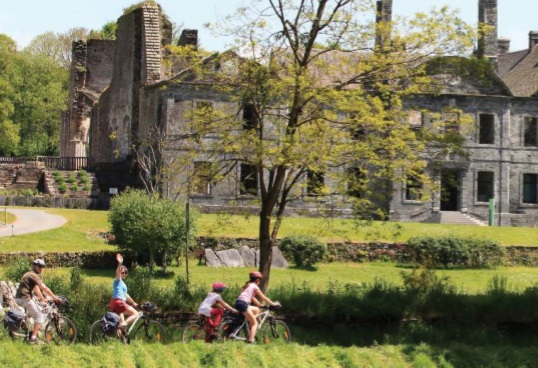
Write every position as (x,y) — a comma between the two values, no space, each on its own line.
(39,262)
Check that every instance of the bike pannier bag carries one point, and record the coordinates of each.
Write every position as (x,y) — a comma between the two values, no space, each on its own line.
(13,320)
(110,322)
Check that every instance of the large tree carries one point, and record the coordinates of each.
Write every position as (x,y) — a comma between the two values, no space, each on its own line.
(319,89)
(57,46)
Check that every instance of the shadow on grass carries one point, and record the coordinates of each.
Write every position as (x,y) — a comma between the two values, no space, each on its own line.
(445,345)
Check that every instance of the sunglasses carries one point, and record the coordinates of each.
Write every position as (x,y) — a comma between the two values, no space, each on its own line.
(124,273)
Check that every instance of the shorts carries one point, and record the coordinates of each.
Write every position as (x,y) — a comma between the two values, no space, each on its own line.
(241,306)
(32,308)
(117,305)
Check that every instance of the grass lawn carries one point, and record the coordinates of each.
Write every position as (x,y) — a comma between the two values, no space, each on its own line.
(331,275)
(84,230)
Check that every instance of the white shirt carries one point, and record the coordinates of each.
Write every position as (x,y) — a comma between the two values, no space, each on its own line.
(205,308)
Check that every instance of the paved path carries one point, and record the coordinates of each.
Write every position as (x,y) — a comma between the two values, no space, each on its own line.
(29,221)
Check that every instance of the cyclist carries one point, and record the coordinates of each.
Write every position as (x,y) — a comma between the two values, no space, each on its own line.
(120,298)
(31,284)
(248,294)
(211,308)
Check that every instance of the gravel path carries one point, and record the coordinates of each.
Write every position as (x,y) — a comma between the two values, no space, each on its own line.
(29,221)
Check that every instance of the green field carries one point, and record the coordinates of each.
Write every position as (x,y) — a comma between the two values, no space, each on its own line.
(313,346)
(86,230)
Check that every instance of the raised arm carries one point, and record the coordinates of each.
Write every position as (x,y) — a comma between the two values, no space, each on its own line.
(119,259)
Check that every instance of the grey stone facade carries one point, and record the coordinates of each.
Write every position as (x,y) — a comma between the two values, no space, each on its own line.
(121,90)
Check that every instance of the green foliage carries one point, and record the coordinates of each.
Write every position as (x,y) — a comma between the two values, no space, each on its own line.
(62,187)
(138,6)
(75,187)
(146,223)
(16,269)
(82,174)
(454,251)
(71,179)
(305,250)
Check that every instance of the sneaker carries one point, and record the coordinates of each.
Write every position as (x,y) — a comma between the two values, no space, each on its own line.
(250,341)
(35,341)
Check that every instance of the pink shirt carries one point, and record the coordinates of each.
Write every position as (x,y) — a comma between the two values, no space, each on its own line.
(248,293)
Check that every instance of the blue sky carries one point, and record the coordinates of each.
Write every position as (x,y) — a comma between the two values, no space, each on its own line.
(24,19)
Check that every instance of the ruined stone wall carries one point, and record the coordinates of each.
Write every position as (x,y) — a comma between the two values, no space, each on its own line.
(20,176)
(112,121)
(90,75)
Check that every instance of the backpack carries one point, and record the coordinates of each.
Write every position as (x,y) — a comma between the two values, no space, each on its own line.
(109,323)
(13,320)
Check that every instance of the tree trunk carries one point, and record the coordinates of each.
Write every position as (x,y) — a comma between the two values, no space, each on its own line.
(165,262)
(266,249)
(151,260)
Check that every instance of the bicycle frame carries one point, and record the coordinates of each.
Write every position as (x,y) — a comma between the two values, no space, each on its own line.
(50,312)
(131,327)
(262,317)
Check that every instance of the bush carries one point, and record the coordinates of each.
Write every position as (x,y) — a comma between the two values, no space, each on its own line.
(62,187)
(18,268)
(303,249)
(454,251)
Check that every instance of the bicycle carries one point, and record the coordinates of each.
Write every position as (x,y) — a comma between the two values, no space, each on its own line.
(58,328)
(197,329)
(147,330)
(237,328)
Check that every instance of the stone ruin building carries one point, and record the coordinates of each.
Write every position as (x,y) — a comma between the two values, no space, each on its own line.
(117,87)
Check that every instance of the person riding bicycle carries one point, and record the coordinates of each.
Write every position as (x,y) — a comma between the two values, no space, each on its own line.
(248,294)
(29,285)
(120,298)
(211,308)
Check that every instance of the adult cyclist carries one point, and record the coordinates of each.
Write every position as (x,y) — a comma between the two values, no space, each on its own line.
(29,285)
(120,298)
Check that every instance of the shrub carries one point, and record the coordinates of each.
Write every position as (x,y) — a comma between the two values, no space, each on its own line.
(71,179)
(18,268)
(62,187)
(82,174)
(454,251)
(305,250)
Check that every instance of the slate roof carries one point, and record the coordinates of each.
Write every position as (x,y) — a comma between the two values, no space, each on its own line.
(519,70)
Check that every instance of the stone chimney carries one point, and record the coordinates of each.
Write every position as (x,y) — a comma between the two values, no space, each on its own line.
(503,46)
(189,37)
(383,26)
(533,39)
(487,42)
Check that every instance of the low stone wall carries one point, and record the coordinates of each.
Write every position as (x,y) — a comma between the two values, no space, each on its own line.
(337,252)
(55,202)
(89,260)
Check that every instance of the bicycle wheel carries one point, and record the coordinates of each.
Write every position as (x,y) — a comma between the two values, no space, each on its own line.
(61,330)
(276,331)
(97,336)
(150,331)
(193,331)
(228,331)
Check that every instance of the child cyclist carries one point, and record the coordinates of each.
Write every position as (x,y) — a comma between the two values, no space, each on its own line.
(211,308)
(249,293)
